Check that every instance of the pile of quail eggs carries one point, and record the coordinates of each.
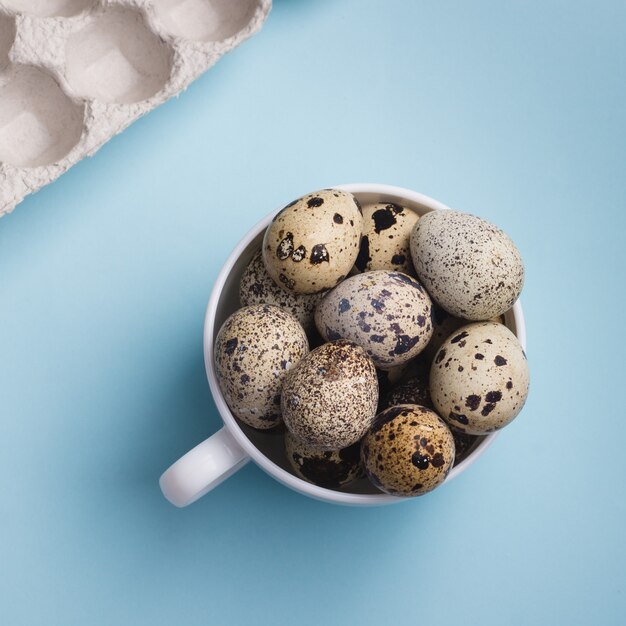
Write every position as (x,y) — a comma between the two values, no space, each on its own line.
(413,364)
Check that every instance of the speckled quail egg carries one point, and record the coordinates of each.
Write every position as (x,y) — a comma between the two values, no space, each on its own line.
(416,390)
(329,399)
(254,349)
(385,242)
(479,378)
(408,451)
(257,287)
(325,468)
(312,244)
(385,312)
(469,266)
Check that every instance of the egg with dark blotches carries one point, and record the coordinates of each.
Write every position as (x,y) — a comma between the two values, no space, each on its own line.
(312,244)
(257,287)
(254,350)
(408,451)
(416,390)
(385,241)
(329,399)
(479,378)
(326,468)
(469,266)
(385,312)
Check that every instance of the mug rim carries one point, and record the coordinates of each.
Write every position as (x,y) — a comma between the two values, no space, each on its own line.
(265,463)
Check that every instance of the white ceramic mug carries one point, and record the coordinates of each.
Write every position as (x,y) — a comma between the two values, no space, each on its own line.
(221,455)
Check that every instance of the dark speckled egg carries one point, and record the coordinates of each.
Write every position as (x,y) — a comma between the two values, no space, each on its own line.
(408,451)
(415,390)
(387,313)
(329,399)
(326,468)
(254,350)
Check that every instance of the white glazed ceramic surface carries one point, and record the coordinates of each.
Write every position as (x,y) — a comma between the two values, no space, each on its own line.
(73,73)
(221,455)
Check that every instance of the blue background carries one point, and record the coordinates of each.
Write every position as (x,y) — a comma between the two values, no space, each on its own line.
(512,110)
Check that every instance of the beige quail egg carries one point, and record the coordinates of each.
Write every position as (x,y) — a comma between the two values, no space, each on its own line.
(385,242)
(325,468)
(329,399)
(312,244)
(254,349)
(408,451)
(257,287)
(469,266)
(385,312)
(479,378)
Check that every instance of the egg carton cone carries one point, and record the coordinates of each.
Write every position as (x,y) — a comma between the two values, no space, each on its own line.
(74,73)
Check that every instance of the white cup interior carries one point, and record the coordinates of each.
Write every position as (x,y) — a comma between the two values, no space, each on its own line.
(266,447)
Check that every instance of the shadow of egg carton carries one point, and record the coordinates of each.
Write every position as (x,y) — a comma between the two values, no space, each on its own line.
(74,73)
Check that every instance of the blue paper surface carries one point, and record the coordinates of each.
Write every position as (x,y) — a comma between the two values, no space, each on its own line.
(515,111)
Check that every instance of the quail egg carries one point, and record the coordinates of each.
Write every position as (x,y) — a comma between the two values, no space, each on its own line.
(325,468)
(385,312)
(416,390)
(479,378)
(254,349)
(385,243)
(257,287)
(312,244)
(329,399)
(469,266)
(408,451)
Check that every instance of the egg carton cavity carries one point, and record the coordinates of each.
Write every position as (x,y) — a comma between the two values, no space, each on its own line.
(74,73)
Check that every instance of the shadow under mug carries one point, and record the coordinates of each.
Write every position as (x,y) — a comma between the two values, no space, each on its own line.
(221,455)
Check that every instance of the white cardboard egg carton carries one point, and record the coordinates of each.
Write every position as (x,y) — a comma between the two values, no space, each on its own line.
(74,73)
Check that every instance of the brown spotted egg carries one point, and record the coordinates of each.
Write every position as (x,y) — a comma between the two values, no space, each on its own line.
(408,451)
(416,390)
(326,468)
(385,243)
(329,399)
(257,287)
(469,266)
(385,312)
(479,378)
(254,350)
(312,244)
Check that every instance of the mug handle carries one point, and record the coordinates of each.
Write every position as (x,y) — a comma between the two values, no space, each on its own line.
(203,468)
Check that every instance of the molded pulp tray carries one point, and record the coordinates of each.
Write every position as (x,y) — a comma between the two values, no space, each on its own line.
(74,73)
